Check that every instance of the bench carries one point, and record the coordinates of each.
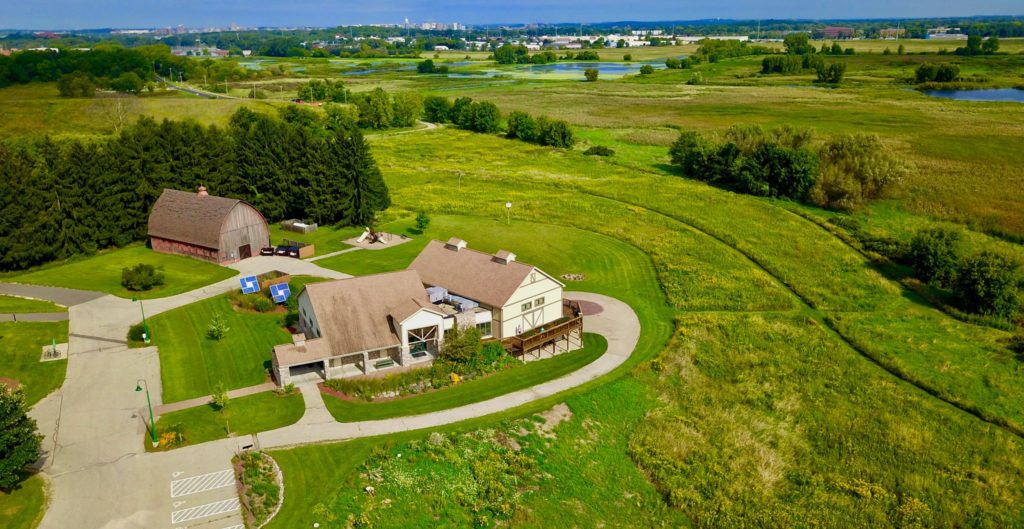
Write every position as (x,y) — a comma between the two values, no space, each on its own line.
(418,354)
(381,364)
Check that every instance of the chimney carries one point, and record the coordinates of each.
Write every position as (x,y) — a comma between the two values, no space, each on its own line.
(504,257)
(202,191)
(455,244)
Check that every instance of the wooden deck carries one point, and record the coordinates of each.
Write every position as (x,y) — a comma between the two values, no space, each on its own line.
(560,330)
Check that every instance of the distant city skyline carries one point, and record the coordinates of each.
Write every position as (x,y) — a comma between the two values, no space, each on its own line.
(86,14)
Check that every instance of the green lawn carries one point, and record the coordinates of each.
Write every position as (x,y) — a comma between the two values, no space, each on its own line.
(326,238)
(102,272)
(24,507)
(20,346)
(191,364)
(12,304)
(244,415)
(497,384)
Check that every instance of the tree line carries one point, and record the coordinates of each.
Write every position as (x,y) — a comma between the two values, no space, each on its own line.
(843,173)
(485,117)
(69,196)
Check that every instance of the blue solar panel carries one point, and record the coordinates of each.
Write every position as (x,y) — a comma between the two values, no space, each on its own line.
(250,285)
(280,292)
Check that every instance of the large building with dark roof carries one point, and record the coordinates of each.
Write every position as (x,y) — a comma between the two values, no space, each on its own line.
(215,229)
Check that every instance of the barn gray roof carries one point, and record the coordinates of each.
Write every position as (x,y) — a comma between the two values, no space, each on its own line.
(363,313)
(469,273)
(189,217)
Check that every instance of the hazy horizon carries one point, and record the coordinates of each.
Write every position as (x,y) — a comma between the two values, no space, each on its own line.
(83,14)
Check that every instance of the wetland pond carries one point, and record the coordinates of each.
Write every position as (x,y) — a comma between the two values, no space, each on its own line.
(992,94)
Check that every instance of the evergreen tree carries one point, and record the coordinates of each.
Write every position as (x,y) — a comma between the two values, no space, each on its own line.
(20,442)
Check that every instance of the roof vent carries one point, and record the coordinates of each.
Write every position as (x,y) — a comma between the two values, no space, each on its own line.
(456,244)
(504,257)
(202,191)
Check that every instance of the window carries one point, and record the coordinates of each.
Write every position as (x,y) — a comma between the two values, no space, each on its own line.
(485,328)
(526,306)
(538,302)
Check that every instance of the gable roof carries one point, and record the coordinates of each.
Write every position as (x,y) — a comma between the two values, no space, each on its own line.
(469,273)
(188,217)
(363,313)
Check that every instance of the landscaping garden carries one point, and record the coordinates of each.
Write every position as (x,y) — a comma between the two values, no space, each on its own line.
(103,272)
(443,394)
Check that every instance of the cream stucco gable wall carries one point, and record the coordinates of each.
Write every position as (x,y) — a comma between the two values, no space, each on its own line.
(537,302)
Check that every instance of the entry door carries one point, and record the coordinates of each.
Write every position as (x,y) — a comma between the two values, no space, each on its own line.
(245,252)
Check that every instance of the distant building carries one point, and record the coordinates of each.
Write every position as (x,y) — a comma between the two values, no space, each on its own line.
(943,33)
(835,32)
(216,229)
(892,33)
(440,48)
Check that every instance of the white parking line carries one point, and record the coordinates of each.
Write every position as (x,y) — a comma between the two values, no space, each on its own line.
(203,483)
(203,511)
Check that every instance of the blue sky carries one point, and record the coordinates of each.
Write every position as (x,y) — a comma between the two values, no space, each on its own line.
(54,14)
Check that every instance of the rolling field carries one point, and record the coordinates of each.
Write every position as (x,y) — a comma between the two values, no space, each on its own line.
(781,378)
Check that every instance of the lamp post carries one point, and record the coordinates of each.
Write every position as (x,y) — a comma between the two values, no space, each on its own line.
(145,326)
(508,211)
(139,385)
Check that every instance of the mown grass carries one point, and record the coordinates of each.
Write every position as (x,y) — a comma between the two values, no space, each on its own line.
(767,420)
(13,304)
(326,239)
(102,272)
(494,385)
(243,416)
(21,346)
(191,364)
(23,508)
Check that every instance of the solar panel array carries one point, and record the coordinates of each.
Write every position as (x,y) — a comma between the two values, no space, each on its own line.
(280,292)
(250,285)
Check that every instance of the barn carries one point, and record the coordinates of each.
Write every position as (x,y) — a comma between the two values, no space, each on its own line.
(216,229)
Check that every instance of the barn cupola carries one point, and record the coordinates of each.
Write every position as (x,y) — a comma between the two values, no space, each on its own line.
(202,191)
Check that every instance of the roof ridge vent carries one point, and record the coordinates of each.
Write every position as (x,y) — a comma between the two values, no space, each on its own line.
(504,257)
(456,244)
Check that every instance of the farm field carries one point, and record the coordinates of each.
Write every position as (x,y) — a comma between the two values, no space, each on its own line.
(102,272)
(21,345)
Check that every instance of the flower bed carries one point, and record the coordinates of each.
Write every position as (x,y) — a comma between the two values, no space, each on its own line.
(260,487)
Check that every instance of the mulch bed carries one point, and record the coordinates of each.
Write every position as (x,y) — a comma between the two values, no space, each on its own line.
(589,308)
(10,383)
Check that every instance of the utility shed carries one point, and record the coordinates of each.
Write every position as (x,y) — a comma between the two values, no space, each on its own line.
(216,229)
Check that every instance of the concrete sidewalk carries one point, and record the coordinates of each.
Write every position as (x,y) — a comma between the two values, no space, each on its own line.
(202,401)
(332,254)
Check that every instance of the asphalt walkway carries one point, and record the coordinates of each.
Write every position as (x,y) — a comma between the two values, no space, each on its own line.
(60,296)
(35,316)
(202,401)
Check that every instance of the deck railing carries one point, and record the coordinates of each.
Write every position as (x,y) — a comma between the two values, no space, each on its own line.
(543,335)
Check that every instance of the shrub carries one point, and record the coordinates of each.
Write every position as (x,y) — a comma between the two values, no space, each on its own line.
(437,109)
(673,63)
(422,221)
(855,168)
(141,277)
(218,328)
(988,284)
(555,133)
(646,69)
(219,398)
(934,255)
(135,333)
(591,74)
(257,302)
(831,73)
(522,126)
(696,79)
(599,150)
